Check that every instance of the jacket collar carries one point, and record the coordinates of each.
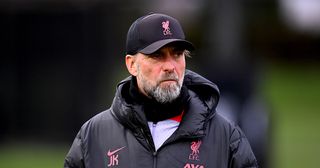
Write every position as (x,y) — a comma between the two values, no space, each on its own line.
(204,96)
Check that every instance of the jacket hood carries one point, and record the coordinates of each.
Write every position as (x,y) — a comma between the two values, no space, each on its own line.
(204,96)
(207,91)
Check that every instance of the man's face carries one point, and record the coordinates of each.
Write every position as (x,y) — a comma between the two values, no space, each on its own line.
(160,75)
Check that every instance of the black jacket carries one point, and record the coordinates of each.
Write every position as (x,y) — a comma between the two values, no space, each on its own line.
(119,137)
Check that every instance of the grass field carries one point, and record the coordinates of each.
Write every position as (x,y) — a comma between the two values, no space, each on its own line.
(294,95)
(21,155)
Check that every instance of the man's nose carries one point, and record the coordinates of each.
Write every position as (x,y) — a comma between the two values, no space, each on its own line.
(169,64)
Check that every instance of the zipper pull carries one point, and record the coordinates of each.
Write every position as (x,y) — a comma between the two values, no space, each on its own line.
(154,124)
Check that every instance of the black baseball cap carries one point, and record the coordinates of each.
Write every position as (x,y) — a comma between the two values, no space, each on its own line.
(153,31)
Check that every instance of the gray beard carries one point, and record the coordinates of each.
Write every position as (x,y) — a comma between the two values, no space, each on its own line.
(165,94)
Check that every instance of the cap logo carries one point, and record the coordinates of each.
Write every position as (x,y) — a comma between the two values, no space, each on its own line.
(166,28)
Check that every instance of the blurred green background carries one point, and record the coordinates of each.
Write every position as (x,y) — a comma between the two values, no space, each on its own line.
(61,60)
(294,93)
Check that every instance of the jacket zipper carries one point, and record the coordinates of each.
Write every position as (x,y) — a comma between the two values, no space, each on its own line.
(154,152)
(154,159)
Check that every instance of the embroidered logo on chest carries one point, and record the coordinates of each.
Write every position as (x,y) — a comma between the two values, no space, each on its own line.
(194,155)
(195,145)
(113,157)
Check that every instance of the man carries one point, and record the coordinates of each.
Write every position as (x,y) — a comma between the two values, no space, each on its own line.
(163,115)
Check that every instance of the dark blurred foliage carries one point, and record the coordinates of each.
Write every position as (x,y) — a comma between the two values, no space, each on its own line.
(54,59)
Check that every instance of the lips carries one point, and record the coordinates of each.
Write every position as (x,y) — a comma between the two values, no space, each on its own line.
(169,80)
(166,80)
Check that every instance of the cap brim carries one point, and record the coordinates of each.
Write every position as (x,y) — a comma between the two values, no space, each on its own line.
(158,44)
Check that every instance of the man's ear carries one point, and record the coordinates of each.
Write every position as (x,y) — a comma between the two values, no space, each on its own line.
(131,64)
